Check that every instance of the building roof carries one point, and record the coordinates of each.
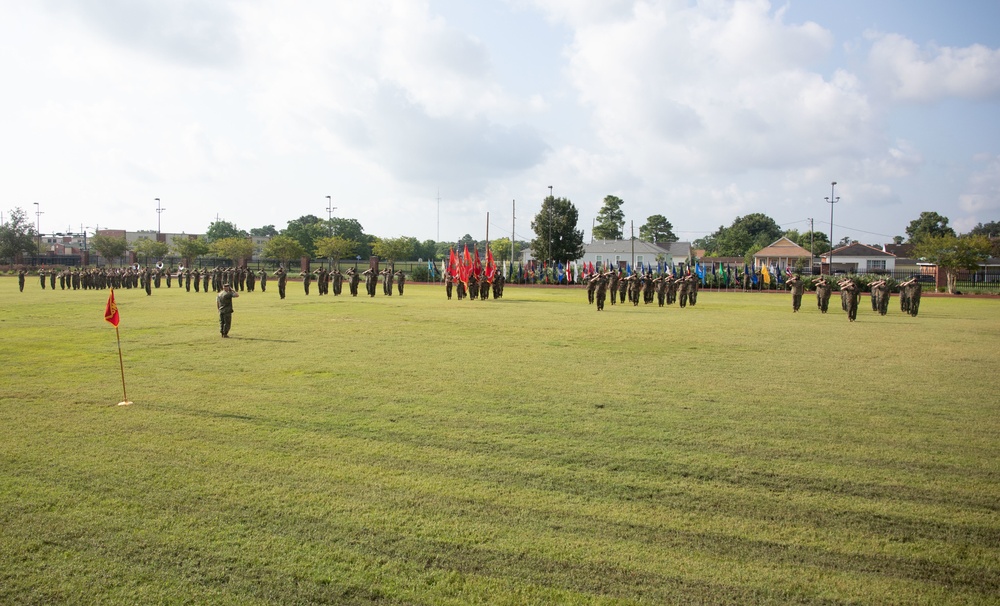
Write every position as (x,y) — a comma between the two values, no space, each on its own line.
(783,247)
(900,250)
(856,249)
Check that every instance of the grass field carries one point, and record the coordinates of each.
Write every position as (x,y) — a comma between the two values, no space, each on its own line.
(413,450)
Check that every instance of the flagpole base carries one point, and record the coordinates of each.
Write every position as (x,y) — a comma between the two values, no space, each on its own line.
(125,403)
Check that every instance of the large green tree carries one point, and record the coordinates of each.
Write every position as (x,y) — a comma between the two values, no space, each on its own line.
(267,230)
(393,249)
(745,236)
(109,247)
(218,230)
(336,248)
(306,230)
(237,249)
(953,253)
(610,219)
(929,225)
(990,230)
(819,241)
(657,230)
(148,248)
(501,250)
(283,248)
(17,236)
(556,235)
(190,249)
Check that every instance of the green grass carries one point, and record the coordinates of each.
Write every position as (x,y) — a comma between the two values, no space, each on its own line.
(413,450)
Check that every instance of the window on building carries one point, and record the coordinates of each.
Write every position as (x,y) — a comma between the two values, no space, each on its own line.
(638,260)
(876,264)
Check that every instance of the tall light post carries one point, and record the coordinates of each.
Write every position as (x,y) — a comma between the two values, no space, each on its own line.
(159,209)
(329,213)
(550,221)
(38,229)
(832,200)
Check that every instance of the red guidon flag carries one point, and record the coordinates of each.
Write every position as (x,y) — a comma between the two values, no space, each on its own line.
(111,309)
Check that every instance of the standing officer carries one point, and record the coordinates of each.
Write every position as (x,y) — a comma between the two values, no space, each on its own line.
(224,303)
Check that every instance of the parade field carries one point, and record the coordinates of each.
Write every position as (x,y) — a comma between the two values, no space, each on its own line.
(529,450)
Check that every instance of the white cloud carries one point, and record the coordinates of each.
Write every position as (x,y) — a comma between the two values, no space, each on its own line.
(910,73)
(723,88)
(981,198)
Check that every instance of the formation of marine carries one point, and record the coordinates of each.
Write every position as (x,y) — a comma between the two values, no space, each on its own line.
(850,294)
(665,289)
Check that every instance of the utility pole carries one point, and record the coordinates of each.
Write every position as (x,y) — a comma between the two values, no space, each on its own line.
(551,204)
(810,246)
(513,218)
(832,200)
(159,210)
(632,228)
(329,213)
(38,229)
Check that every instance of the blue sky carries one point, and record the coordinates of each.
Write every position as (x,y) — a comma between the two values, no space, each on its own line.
(255,111)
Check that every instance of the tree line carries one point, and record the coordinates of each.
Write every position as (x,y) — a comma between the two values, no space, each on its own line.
(557,237)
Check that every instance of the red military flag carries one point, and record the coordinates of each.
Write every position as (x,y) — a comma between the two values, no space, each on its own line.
(491,265)
(453,264)
(111,310)
(477,265)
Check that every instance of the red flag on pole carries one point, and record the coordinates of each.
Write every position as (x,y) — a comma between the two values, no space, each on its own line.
(111,316)
(453,265)
(477,265)
(491,265)
(111,310)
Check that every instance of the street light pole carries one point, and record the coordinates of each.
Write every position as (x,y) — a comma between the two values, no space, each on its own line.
(329,213)
(552,200)
(38,229)
(832,200)
(159,209)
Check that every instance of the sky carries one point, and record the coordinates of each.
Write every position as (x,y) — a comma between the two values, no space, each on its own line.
(421,118)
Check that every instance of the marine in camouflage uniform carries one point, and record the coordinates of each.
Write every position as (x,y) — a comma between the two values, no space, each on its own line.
(484,288)
(498,283)
(282,278)
(683,287)
(909,296)
(880,296)
(448,284)
(797,286)
(338,282)
(592,288)
(224,303)
(693,289)
(400,281)
(353,280)
(371,280)
(473,288)
(20,279)
(661,290)
(823,290)
(849,296)
(602,290)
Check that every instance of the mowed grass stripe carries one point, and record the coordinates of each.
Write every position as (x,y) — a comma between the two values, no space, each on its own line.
(528,447)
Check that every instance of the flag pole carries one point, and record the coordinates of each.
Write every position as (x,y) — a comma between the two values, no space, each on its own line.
(125,401)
